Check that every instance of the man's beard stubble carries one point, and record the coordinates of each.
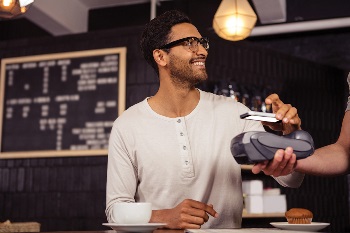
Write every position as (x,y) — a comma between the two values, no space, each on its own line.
(183,76)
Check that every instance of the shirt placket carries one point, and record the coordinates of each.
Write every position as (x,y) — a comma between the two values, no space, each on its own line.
(184,148)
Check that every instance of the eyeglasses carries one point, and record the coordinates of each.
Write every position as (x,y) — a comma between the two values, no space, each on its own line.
(190,42)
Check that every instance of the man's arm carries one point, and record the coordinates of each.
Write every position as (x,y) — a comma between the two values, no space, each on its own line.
(188,214)
(330,160)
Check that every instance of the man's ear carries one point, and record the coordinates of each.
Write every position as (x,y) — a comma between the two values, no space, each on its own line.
(158,57)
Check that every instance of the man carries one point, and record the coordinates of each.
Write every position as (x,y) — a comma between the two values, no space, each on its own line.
(173,149)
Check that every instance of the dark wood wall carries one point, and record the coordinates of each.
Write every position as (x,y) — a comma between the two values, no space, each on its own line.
(69,193)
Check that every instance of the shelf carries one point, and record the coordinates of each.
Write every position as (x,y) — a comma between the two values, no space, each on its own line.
(263,215)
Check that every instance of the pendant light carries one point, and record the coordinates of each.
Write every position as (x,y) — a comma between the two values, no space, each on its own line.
(234,20)
(13,8)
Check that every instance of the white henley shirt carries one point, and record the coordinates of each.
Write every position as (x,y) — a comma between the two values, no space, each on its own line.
(162,160)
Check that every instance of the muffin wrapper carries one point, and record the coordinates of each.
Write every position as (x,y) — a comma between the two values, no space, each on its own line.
(299,220)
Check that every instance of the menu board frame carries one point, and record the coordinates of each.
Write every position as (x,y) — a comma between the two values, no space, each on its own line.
(121,85)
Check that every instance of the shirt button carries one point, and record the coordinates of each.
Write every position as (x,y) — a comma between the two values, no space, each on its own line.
(181,134)
(179,121)
(184,147)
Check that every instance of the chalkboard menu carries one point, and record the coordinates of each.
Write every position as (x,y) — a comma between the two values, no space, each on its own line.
(61,104)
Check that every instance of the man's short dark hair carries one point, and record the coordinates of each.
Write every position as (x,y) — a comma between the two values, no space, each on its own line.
(157,33)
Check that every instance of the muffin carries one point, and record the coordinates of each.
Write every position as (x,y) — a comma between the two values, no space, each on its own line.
(299,216)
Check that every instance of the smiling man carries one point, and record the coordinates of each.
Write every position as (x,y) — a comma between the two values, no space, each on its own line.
(173,148)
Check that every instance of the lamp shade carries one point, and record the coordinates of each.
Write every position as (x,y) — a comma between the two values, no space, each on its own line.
(234,20)
(12,8)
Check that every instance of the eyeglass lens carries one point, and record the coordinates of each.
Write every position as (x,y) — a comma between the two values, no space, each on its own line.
(193,44)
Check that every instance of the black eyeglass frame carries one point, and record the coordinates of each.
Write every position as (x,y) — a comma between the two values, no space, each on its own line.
(176,42)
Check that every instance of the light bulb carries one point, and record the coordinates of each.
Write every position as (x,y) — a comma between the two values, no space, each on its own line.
(234,25)
(7,3)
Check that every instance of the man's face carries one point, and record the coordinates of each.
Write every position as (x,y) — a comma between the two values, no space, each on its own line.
(186,67)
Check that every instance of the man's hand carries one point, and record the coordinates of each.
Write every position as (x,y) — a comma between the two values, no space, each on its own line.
(282,164)
(188,214)
(284,112)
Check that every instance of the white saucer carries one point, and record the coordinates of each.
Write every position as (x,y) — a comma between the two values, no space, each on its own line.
(314,226)
(134,227)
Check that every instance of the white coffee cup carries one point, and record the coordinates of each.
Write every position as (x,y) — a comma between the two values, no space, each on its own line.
(132,213)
